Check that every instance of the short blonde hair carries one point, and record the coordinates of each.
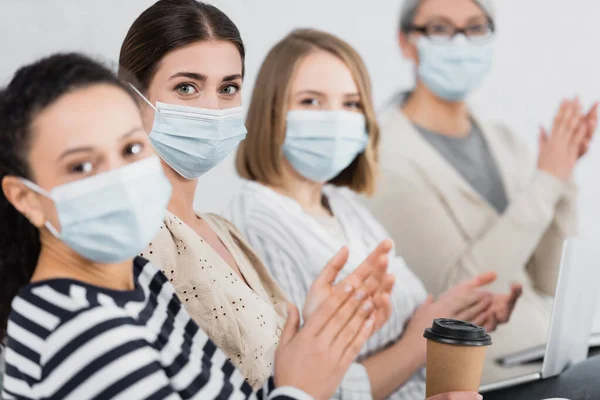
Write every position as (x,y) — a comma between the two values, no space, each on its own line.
(260,155)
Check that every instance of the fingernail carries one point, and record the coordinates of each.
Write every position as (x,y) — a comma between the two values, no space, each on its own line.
(360,295)
(368,305)
(479,397)
(369,322)
(348,288)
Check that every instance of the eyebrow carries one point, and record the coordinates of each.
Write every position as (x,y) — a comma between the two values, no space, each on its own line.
(448,21)
(478,18)
(231,77)
(317,93)
(314,92)
(203,78)
(87,149)
(191,75)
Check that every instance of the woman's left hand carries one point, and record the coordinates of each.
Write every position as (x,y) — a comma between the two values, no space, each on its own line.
(502,307)
(590,120)
(379,285)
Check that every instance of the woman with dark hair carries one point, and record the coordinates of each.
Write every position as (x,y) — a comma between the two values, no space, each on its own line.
(81,315)
(187,59)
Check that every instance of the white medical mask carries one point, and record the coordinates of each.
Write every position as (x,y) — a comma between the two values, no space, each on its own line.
(321,144)
(452,70)
(112,216)
(193,140)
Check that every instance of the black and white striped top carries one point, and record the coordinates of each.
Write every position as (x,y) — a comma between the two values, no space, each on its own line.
(69,340)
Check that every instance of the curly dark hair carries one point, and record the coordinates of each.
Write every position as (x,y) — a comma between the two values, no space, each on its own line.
(32,89)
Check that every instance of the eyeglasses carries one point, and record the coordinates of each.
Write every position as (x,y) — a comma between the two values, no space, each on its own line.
(445,32)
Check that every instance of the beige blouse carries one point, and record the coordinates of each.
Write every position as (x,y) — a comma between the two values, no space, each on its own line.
(244,321)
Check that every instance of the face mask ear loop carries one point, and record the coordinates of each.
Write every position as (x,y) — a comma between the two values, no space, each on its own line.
(143,97)
(44,193)
(52,229)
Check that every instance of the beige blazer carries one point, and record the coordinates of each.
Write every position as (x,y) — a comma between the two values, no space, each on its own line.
(244,320)
(447,232)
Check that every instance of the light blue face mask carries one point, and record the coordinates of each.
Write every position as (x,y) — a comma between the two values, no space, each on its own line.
(452,70)
(112,216)
(321,144)
(193,140)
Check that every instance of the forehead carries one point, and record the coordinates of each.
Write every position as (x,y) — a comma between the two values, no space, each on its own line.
(324,72)
(88,116)
(209,58)
(458,11)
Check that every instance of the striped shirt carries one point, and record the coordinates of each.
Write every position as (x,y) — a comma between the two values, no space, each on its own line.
(295,246)
(70,340)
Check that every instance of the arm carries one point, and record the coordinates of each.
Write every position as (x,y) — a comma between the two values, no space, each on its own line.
(289,272)
(544,265)
(386,374)
(285,261)
(505,245)
(418,221)
(103,353)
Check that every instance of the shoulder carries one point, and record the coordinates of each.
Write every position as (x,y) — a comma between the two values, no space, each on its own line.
(53,318)
(250,197)
(165,243)
(252,207)
(219,222)
(42,307)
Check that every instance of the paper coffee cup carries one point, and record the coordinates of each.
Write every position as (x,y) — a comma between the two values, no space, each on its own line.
(455,356)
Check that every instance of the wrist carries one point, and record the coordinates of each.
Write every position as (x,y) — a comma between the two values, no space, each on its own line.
(413,348)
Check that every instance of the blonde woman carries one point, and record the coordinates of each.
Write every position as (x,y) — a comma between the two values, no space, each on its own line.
(311,146)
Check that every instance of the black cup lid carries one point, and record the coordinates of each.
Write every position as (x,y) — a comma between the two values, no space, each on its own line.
(452,331)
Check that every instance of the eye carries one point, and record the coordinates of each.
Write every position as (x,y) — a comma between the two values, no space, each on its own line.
(230,90)
(478,30)
(133,149)
(353,105)
(439,29)
(82,167)
(186,89)
(310,102)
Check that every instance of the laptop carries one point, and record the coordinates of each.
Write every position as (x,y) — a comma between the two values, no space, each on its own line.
(569,333)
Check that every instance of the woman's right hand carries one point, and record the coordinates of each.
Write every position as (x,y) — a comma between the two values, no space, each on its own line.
(560,150)
(315,358)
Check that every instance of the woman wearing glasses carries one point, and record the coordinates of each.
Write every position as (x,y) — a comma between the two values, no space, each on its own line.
(462,187)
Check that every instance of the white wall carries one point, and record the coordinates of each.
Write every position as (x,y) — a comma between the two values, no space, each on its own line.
(546,49)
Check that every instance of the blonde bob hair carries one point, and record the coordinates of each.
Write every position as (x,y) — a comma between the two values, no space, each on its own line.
(260,155)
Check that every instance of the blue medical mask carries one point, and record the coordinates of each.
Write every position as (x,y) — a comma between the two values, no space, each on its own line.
(321,144)
(452,70)
(112,216)
(193,140)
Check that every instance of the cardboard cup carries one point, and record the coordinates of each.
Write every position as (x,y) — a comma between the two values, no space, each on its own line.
(455,356)
(453,368)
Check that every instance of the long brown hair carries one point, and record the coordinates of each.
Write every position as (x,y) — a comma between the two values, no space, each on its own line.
(260,156)
(168,25)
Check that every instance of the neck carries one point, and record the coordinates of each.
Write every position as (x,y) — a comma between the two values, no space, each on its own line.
(183,194)
(427,110)
(307,193)
(59,261)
